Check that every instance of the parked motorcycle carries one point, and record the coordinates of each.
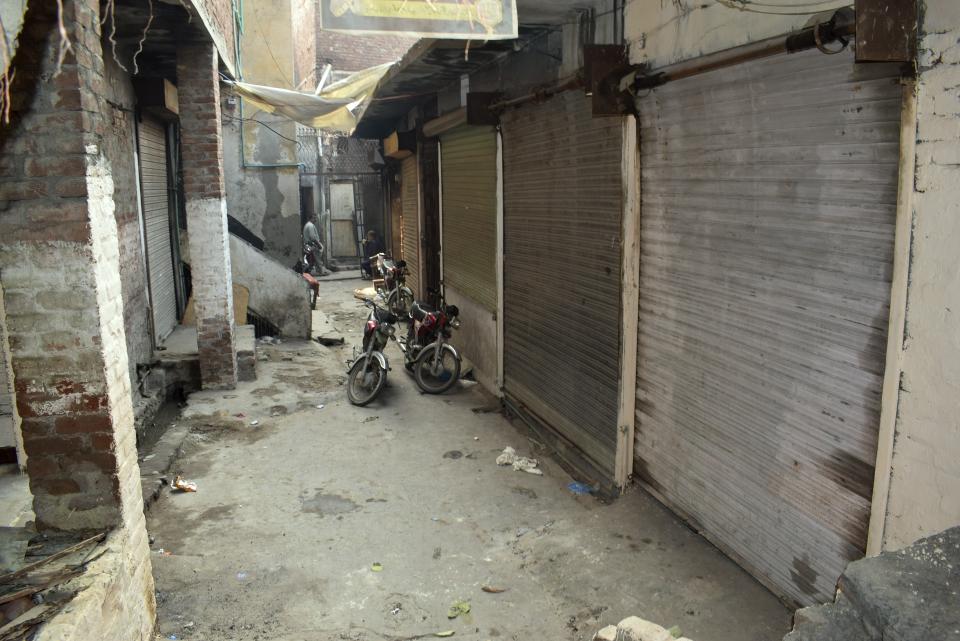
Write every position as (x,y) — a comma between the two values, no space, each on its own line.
(434,362)
(368,373)
(312,258)
(399,297)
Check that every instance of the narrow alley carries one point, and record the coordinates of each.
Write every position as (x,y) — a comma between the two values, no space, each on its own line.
(691,264)
(294,514)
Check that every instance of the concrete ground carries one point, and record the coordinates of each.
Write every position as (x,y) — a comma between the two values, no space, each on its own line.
(366,524)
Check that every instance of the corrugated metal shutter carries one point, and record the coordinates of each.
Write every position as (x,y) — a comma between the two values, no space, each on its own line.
(769,194)
(156,217)
(562,216)
(411,222)
(469,181)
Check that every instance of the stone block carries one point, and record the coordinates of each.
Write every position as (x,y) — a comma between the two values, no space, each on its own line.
(608,633)
(909,595)
(637,629)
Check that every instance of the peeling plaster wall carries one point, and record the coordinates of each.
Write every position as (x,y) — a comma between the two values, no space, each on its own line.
(477,338)
(12,13)
(664,32)
(925,479)
(277,292)
(265,199)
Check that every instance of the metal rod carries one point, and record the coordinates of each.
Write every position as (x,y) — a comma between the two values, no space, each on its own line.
(841,25)
(324,76)
(572,82)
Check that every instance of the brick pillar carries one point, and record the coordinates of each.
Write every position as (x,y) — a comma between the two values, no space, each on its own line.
(199,91)
(60,266)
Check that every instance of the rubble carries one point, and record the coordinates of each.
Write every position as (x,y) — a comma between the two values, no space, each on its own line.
(637,629)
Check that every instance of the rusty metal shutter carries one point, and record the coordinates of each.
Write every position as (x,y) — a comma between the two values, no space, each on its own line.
(411,222)
(562,217)
(469,181)
(769,193)
(154,189)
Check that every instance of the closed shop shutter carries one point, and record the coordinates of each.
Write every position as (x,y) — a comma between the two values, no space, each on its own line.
(409,186)
(469,182)
(769,193)
(154,190)
(562,218)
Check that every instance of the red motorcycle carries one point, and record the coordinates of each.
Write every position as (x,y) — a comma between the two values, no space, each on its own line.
(434,362)
(399,297)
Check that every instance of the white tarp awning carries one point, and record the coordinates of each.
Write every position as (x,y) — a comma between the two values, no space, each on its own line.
(336,109)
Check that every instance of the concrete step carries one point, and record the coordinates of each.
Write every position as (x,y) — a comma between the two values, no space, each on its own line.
(837,621)
(912,594)
(909,595)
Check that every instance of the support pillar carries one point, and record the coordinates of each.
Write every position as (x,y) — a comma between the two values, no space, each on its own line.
(60,269)
(198,86)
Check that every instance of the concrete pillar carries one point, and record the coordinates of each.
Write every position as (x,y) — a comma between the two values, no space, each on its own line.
(920,471)
(60,268)
(199,91)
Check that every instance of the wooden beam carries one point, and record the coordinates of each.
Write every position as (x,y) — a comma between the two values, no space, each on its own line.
(629,301)
(445,123)
(890,397)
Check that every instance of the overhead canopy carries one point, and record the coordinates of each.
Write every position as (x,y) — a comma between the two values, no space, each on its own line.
(336,109)
(463,19)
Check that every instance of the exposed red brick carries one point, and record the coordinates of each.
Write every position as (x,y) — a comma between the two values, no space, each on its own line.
(57,166)
(56,487)
(83,424)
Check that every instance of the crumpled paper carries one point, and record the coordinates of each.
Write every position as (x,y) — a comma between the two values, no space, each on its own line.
(520,463)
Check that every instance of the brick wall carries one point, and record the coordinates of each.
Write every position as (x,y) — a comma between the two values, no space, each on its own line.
(62,291)
(348,52)
(69,353)
(206,209)
(925,480)
(217,16)
(118,148)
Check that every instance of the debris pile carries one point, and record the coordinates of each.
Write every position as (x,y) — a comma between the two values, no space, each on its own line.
(637,629)
(35,586)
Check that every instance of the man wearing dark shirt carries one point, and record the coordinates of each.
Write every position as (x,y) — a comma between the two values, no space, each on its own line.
(371,247)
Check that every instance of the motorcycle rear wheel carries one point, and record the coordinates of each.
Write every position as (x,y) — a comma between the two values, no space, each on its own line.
(446,375)
(365,384)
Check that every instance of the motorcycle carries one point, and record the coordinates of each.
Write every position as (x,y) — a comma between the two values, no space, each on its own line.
(368,373)
(399,297)
(434,362)
(312,253)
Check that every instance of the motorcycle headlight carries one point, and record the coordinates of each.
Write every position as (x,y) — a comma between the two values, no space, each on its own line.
(455,323)
(391,330)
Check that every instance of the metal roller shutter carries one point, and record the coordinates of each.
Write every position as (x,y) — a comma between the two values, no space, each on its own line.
(469,181)
(769,194)
(411,222)
(562,217)
(154,189)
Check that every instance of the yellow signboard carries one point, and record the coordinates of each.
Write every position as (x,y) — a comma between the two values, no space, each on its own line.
(462,19)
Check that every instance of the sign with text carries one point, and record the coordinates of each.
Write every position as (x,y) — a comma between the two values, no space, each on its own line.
(461,19)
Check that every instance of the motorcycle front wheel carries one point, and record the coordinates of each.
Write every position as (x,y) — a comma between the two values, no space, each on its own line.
(365,383)
(436,377)
(400,304)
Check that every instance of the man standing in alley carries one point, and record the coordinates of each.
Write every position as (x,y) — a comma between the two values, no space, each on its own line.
(312,247)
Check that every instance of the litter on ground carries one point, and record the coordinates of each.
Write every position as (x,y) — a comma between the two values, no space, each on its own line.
(179,483)
(520,463)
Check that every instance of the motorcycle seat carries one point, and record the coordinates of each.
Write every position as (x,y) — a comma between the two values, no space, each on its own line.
(419,311)
(385,316)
